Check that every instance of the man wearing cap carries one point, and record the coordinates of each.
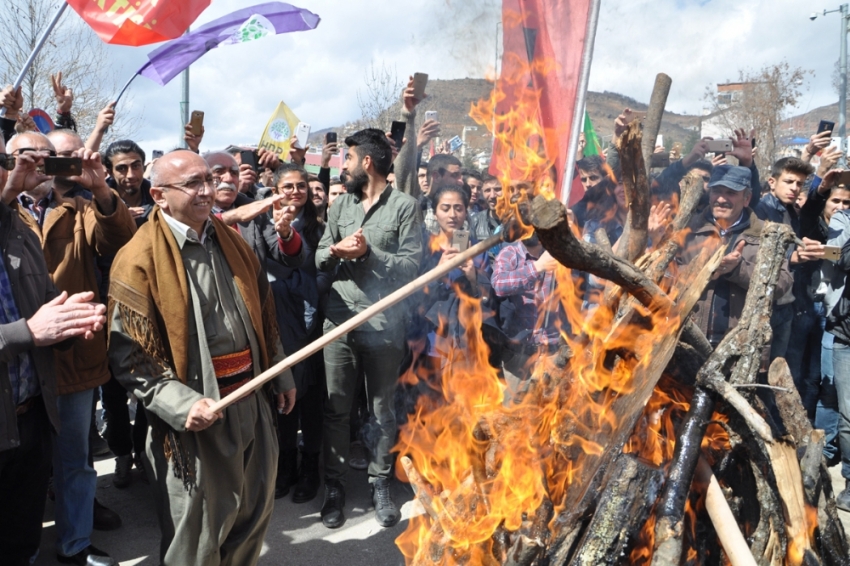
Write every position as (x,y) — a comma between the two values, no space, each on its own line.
(729,222)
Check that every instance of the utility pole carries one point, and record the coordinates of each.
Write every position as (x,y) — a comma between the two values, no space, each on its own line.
(844,10)
(184,105)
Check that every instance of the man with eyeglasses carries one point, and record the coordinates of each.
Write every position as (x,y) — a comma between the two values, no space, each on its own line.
(192,318)
(73,232)
(270,237)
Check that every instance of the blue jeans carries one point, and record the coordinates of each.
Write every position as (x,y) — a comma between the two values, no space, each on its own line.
(803,355)
(74,480)
(826,415)
(841,365)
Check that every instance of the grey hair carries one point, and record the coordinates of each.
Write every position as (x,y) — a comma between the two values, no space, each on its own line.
(14,138)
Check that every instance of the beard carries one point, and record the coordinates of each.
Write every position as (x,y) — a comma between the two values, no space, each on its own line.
(355,181)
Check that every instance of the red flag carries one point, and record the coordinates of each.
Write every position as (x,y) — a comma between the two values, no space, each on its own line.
(538,83)
(139,22)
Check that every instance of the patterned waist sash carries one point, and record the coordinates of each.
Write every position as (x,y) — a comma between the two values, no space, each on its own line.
(233,370)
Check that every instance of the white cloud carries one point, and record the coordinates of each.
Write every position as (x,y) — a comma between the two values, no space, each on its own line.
(698,43)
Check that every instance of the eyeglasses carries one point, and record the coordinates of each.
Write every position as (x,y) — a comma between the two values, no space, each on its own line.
(192,186)
(28,150)
(7,161)
(289,187)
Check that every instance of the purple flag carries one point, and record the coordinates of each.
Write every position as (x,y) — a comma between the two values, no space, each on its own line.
(248,24)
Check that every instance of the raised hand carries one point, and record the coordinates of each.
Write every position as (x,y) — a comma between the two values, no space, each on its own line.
(730,261)
(193,142)
(12,100)
(64,95)
(742,147)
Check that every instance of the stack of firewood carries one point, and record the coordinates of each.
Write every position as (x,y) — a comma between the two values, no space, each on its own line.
(763,497)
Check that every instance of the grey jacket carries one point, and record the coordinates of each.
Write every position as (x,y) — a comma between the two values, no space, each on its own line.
(31,287)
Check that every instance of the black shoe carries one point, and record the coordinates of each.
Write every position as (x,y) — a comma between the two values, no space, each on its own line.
(105,519)
(842,500)
(122,478)
(308,478)
(386,513)
(89,556)
(287,472)
(332,509)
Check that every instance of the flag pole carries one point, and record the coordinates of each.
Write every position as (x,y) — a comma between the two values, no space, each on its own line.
(184,104)
(35,51)
(581,98)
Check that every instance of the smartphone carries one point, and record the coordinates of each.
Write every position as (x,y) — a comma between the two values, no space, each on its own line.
(659,160)
(330,137)
(753,142)
(719,146)
(197,122)
(455,143)
(63,166)
(832,253)
(397,133)
(249,157)
(844,178)
(302,132)
(156,154)
(659,141)
(460,240)
(826,126)
(419,82)
(431,115)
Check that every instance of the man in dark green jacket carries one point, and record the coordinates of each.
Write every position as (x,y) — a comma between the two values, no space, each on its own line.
(373,240)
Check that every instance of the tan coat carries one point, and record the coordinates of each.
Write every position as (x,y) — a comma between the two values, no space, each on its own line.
(74,232)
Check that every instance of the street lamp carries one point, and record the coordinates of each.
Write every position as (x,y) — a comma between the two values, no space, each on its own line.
(844,9)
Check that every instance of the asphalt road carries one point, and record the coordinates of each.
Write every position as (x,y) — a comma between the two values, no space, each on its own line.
(296,535)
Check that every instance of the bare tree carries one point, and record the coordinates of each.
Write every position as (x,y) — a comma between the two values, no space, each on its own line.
(381,92)
(761,102)
(72,48)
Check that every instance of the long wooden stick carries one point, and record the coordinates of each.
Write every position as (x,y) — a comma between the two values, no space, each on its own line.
(353,323)
(725,524)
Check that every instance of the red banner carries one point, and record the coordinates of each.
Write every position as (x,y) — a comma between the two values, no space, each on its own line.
(543,45)
(138,22)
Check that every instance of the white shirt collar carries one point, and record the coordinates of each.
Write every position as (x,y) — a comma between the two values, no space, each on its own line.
(185,230)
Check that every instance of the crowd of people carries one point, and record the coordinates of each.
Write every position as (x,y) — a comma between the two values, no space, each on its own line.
(157,287)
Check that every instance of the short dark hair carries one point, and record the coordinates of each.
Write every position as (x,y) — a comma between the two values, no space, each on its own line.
(487,178)
(439,162)
(792,165)
(289,167)
(120,146)
(374,143)
(444,189)
(591,163)
(702,165)
(471,173)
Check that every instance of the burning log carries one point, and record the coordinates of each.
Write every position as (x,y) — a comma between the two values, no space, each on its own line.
(635,233)
(631,491)
(547,482)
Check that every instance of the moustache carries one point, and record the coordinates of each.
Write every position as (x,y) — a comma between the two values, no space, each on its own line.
(226,187)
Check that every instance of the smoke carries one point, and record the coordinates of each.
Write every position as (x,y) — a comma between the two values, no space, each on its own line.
(467,31)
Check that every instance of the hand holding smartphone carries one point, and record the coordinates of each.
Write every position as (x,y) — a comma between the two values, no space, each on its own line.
(460,240)
(419,82)
(302,133)
(197,122)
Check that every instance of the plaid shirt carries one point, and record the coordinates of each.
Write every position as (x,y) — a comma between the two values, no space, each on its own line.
(21,375)
(514,275)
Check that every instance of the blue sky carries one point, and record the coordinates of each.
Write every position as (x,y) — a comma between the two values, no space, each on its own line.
(318,72)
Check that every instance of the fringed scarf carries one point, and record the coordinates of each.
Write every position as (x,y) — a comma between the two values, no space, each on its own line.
(150,289)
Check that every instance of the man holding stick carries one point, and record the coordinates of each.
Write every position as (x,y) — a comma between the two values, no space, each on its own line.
(374,241)
(187,275)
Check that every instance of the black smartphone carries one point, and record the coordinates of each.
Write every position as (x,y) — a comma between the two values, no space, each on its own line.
(658,160)
(826,126)
(330,137)
(250,157)
(63,166)
(397,133)
(753,143)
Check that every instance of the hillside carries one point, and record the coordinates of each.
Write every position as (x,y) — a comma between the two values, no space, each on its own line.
(452,99)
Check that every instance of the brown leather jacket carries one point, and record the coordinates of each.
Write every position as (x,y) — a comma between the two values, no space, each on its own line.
(74,231)
(705,233)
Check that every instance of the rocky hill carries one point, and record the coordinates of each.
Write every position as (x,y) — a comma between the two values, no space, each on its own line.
(452,99)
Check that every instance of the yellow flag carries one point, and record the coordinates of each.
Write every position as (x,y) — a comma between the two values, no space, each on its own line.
(279,130)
